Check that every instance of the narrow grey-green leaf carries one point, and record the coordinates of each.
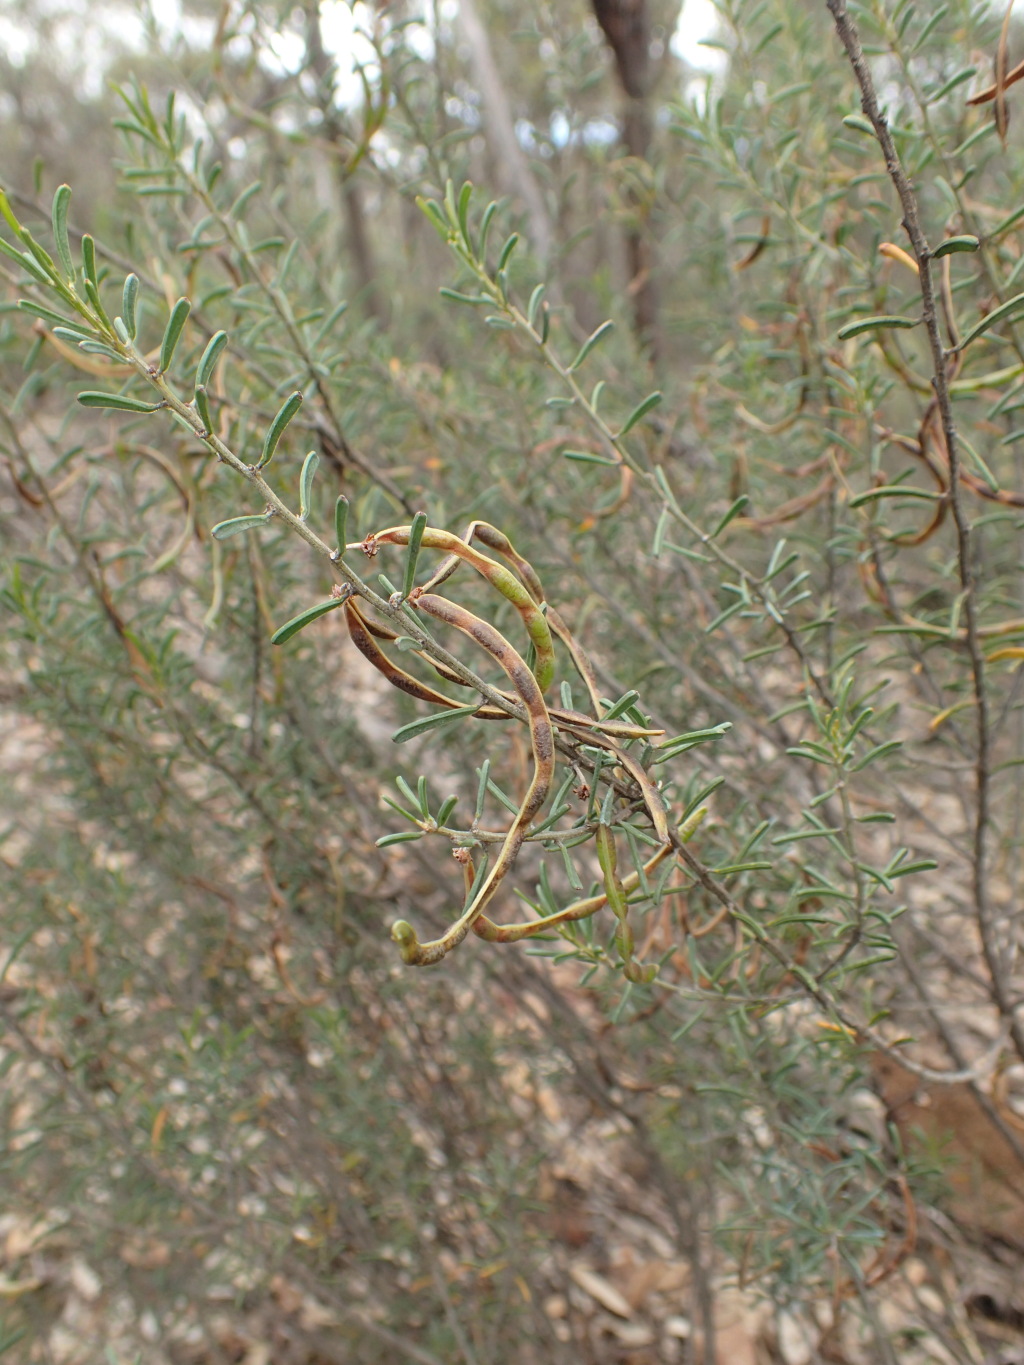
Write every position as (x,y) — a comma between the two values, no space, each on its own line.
(210,357)
(595,337)
(42,257)
(419,525)
(640,411)
(172,333)
(421,727)
(860,123)
(404,836)
(73,334)
(13,252)
(202,406)
(996,315)
(733,512)
(238,207)
(621,705)
(233,525)
(38,310)
(341,522)
(287,411)
(456,297)
(303,619)
(465,194)
(589,457)
(121,401)
(507,250)
(59,218)
(309,467)
(873,324)
(432,210)
(485,227)
(965,242)
(89,258)
(97,348)
(129,301)
(532,307)
(27,263)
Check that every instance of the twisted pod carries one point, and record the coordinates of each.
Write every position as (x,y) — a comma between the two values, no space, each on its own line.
(542,742)
(496,574)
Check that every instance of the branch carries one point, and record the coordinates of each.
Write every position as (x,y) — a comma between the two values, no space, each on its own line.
(850,39)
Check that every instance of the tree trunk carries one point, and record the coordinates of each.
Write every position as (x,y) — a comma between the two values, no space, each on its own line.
(513,167)
(626,25)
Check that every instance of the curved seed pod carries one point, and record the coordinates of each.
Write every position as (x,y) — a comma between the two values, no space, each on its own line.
(497,541)
(497,575)
(543,745)
(574,722)
(362,638)
(583,909)
(652,797)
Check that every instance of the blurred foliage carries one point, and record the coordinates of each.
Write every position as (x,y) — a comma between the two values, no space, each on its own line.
(227,1100)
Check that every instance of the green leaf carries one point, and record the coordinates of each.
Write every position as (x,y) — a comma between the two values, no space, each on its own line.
(404,836)
(10,217)
(59,218)
(341,522)
(445,813)
(485,227)
(456,297)
(623,704)
(89,258)
(38,310)
(966,242)
(128,304)
(202,406)
(533,306)
(860,123)
(588,457)
(507,250)
(432,210)
(997,315)
(879,751)
(210,356)
(231,527)
(419,525)
(92,293)
(73,334)
(238,207)
(303,619)
(96,348)
(309,467)
(465,194)
(121,401)
(640,411)
(172,333)
(421,727)
(873,324)
(288,410)
(27,262)
(593,340)
(733,512)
